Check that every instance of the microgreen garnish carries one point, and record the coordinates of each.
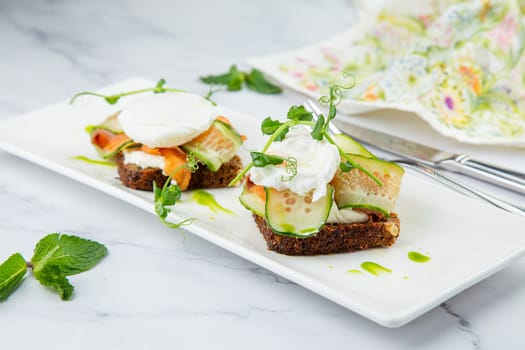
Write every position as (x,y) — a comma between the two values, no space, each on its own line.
(170,193)
(298,115)
(210,93)
(165,197)
(290,168)
(55,257)
(113,99)
(234,79)
(332,100)
(318,130)
(192,162)
(269,126)
(260,160)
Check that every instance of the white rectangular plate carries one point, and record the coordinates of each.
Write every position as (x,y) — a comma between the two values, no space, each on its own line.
(466,239)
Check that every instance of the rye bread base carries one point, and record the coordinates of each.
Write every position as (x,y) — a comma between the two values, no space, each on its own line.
(334,238)
(139,178)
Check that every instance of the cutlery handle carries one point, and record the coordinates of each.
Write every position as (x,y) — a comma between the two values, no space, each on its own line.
(509,179)
(465,189)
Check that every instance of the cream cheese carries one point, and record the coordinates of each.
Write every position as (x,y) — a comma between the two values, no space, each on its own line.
(317,162)
(167,119)
(345,216)
(143,159)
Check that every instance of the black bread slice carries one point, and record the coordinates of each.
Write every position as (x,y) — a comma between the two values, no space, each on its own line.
(334,238)
(139,178)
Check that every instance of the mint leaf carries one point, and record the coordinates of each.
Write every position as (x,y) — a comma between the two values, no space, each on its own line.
(299,113)
(236,79)
(233,79)
(12,272)
(51,276)
(257,82)
(57,256)
(71,254)
(221,79)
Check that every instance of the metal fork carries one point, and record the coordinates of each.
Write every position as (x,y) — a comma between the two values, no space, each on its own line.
(436,175)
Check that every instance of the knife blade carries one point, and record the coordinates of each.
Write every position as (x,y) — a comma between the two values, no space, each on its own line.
(455,162)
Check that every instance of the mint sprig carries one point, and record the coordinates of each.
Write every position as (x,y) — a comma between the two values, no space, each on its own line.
(256,81)
(55,257)
(234,79)
(12,273)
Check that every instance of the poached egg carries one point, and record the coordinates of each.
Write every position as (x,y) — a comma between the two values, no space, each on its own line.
(317,163)
(167,119)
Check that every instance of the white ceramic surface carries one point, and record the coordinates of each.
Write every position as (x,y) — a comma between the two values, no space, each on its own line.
(164,290)
(459,237)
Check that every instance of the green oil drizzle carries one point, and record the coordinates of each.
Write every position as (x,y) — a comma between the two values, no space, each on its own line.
(405,277)
(94,161)
(355,272)
(374,268)
(206,199)
(418,257)
(330,266)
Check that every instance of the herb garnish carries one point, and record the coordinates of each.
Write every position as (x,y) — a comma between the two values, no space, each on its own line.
(113,99)
(298,115)
(165,197)
(234,79)
(170,193)
(55,257)
(260,160)
(158,89)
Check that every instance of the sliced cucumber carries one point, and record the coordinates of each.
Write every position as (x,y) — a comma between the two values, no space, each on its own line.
(292,215)
(355,189)
(349,145)
(111,154)
(215,146)
(251,200)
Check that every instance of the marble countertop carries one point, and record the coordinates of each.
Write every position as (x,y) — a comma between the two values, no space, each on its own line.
(163,289)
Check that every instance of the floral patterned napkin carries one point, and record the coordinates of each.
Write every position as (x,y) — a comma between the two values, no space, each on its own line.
(460,65)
